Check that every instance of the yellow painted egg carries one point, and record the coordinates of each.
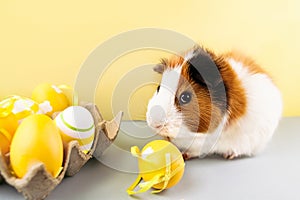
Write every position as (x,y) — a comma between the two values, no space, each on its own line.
(36,140)
(70,93)
(8,126)
(5,140)
(19,107)
(50,95)
(77,123)
(161,166)
(9,123)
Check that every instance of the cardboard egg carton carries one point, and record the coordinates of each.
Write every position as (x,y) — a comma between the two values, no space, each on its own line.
(38,183)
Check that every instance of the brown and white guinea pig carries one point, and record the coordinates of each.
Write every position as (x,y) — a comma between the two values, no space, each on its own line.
(214,104)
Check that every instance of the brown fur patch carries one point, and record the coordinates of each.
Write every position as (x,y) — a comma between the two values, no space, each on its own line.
(175,61)
(200,115)
(236,94)
(247,62)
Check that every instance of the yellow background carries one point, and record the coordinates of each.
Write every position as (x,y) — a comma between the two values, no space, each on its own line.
(47,41)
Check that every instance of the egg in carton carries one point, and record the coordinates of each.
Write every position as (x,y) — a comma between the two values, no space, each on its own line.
(38,183)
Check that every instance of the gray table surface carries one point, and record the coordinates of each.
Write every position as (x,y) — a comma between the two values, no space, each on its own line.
(273,174)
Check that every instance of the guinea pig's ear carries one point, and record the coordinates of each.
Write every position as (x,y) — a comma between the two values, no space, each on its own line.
(203,70)
(160,68)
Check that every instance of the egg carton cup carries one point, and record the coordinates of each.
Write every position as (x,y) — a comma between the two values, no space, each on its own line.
(38,183)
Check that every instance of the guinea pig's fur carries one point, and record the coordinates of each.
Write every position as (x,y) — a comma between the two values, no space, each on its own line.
(214,104)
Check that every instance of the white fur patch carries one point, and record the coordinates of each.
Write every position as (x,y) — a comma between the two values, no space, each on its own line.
(163,101)
(198,144)
(238,67)
(189,55)
(170,80)
(250,134)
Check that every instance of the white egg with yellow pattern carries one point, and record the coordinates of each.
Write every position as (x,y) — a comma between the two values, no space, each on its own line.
(77,123)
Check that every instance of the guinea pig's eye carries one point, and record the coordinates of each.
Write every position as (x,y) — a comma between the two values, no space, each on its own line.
(158,87)
(185,97)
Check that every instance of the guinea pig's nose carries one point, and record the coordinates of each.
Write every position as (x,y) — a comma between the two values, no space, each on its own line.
(157,117)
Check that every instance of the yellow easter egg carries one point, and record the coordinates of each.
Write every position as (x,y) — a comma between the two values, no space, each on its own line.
(51,95)
(70,93)
(153,162)
(36,140)
(9,123)
(20,107)
(161,166)
(5,140)
(77,123)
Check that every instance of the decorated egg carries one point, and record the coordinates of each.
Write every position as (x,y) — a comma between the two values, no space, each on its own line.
(161,166)
(5,139)
(70,93)
(8,126)
(77,123)
(50,95)
(36,140)
(9,123)
(16,107)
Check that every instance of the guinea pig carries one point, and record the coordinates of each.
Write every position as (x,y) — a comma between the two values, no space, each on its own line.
(214,104)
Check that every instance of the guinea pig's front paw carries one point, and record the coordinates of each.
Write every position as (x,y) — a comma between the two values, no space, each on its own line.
(230,155)
(186,156)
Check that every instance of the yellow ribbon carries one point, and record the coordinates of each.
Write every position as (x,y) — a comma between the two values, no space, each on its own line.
(159,178)
(168,174)
(135,151)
